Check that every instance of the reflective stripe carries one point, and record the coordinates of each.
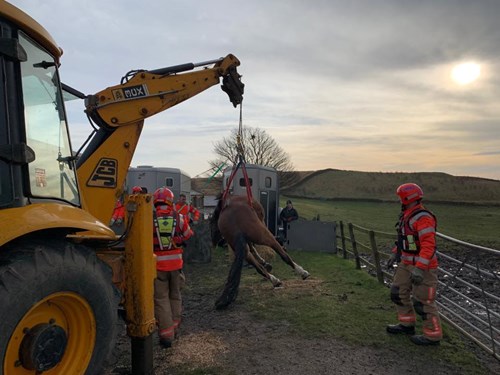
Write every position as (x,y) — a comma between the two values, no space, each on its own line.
(411,196)
(431,295)
(410,318)
(409,258)
(167,332)
(426,230)
(423,260)
(168,257)
(418,216)
(435,331)
(432,333)
(414,259)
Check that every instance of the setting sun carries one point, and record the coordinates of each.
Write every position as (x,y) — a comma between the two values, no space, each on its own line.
(466,73)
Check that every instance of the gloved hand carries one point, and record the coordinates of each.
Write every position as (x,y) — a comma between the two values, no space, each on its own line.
(417,276)
(111,222)
(391,261)
(119,221)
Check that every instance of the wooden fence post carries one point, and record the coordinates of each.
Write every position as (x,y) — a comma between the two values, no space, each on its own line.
(354,246)
(342,237)
(376,257)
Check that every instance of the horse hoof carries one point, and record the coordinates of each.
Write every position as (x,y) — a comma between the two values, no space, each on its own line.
(278,285)
(305,275)
(268,267)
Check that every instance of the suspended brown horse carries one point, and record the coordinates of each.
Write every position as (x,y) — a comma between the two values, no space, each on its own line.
(241,224)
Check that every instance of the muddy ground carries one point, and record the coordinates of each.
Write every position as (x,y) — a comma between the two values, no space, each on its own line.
(231,342)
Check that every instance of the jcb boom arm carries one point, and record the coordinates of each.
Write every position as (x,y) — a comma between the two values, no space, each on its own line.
(119,112)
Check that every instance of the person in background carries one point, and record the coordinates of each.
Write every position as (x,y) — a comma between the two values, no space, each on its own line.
(171,230)
(186,209)
(118,214)
(139,190)
(415,282)
(287,215)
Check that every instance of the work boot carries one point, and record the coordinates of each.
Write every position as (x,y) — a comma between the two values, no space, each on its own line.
(422,340)
(399,328)
(166,343)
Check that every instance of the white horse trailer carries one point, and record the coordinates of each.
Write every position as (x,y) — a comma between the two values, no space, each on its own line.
(152,178)
(264,185)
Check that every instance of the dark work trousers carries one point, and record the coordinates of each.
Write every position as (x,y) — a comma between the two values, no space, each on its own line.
(168,302)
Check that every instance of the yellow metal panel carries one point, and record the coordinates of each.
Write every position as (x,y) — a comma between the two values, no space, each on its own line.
(159,94)
(140,267)
(30,27)
(19,221)
(103,174)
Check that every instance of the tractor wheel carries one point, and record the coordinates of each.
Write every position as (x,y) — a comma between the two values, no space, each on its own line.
(58,310)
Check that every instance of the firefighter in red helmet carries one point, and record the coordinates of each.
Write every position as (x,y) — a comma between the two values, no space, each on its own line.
(171,230)
(137,190)
(187,209)
(413,290)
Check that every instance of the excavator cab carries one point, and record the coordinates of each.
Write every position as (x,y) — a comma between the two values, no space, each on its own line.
(36,159)
(59,291)
(35,146)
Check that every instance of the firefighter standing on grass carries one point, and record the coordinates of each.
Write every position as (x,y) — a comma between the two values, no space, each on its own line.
(171,230)
(187,210)
(414,286)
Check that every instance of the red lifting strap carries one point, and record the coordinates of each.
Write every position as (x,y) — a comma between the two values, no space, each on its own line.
(247,182)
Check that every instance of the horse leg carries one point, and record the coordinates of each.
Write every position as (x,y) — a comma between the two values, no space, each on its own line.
(230,292)
(261,260)
(287,258)
(262,270)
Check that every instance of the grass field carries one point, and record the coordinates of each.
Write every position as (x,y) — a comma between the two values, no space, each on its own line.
(438,187)
(337,301)
(476,224)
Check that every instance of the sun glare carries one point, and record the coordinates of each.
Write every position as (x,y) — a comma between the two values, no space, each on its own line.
(466,73)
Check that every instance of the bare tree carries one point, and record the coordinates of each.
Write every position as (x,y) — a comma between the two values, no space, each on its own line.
(258,148)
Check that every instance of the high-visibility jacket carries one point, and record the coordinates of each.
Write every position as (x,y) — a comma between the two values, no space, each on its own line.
(170,232)
(417,237)
(119,211)
(187,210)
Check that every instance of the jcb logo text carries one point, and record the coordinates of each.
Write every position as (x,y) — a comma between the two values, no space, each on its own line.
(105,174)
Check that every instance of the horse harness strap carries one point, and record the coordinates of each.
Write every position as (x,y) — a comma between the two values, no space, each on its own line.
(241,162)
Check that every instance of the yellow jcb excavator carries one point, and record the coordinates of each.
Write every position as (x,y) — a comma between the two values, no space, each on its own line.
(58,294)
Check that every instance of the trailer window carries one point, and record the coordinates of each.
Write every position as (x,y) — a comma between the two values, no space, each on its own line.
(268,182)
(169,182)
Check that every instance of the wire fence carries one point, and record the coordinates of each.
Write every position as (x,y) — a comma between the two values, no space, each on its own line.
(469,279)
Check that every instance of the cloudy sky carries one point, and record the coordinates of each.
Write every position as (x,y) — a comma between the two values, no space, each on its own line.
(361,85)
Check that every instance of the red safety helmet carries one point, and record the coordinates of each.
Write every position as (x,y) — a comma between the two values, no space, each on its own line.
(136,189)
(409,192)
(163,195)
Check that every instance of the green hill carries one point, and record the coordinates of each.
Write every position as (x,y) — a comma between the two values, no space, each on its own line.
(438,187)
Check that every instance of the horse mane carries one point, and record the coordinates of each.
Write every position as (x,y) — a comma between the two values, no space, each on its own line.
(214,226)
(217,210)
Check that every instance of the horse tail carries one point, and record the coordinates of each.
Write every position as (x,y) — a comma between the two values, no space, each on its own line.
(233,280)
